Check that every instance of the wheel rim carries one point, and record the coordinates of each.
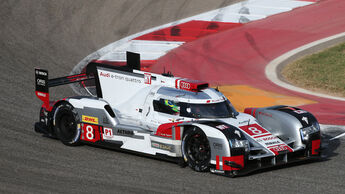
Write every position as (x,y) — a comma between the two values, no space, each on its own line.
(198,149)
(68,126)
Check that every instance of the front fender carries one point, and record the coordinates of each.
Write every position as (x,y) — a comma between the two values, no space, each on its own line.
(284,122)
(219,143)
(218,135)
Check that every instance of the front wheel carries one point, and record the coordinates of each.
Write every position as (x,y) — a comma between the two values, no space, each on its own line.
(66,124)
(196,150)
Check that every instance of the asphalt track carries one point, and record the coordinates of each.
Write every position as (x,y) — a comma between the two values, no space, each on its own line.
(56,35)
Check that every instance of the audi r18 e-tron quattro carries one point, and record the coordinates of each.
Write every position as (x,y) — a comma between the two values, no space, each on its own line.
(174,118)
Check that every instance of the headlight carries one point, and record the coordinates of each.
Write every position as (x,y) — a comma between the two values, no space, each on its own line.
(305,132)
(316,126)
(235,143)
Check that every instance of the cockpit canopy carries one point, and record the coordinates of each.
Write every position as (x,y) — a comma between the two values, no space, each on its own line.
(207,103)
(211,110)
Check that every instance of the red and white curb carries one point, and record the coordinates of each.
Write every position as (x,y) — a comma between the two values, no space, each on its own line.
(272,73)
(158,41)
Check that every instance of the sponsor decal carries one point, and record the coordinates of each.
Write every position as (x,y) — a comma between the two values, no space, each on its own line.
(119,77)
(305,119)
(184,85)
(132,80)
(108,132)
(271,143)
(90,133)
(212,101)
(38,72)
(265,114)
(189,85)
(254,130)
(41,94)
(124,132)
(166,130)
(147,78)
(278,148)
(217,171)
(104,74)
(222,127)
(265,138)
(238,133)
(162,146)
(88,119)
(244,122)
(300,111)
(269,138)
(164,135)
(41,82)
(155,145)
(218,146)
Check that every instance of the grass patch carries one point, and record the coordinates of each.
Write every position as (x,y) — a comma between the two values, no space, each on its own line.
(322,72)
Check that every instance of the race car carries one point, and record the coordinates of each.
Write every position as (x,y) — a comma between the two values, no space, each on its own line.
(174,118)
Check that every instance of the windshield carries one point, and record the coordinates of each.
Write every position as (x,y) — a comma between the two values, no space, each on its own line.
(214,110)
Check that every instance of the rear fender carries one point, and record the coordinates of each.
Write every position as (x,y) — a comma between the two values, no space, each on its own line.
(94,111)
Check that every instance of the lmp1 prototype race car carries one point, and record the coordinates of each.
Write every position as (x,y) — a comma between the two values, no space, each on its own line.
(174,118)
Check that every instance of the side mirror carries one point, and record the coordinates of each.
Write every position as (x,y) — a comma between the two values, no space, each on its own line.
(233,115)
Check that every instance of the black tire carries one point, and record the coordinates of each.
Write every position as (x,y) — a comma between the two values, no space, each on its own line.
(196,150)
(66,124)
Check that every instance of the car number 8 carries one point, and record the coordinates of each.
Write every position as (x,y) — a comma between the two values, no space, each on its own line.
(89,132)
(255,130)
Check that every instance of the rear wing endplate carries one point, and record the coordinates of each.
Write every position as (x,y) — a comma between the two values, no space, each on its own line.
(42,83)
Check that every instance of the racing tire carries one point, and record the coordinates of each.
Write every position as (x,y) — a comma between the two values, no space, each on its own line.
(196,150)
(66,124)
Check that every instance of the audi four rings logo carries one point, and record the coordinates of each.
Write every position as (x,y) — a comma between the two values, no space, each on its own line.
(184,85)
(41,82)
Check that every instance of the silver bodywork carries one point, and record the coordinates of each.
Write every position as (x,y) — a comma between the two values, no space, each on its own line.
(129,113)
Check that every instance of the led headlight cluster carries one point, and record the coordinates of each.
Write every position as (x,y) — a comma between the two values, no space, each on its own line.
(235,143)
(305,132)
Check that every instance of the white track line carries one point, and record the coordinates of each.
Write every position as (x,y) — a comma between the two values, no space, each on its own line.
(272,74)
(333,128)
(337,137)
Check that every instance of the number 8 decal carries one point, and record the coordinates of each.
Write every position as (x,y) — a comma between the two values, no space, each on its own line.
(89,132)
(255,130)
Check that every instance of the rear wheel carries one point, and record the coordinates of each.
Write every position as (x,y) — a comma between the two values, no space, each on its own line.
(196,150)
(66,124)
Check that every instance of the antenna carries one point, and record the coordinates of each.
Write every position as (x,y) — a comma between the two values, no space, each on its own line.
(167,74)
(170,68)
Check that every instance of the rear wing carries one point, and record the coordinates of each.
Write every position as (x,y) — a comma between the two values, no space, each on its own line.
(42,83)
